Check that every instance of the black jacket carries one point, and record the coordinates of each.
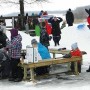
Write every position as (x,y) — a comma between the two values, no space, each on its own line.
(3,38)
(44,38)
(56,31)
(69,17)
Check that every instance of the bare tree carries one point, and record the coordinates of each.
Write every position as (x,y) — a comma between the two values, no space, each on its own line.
(21,5)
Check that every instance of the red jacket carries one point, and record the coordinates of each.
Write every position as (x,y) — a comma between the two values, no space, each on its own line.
(76,52)
(88,20)
(48,28)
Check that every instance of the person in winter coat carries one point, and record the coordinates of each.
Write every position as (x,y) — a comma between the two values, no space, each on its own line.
(74,52)
(70,17)
(43,54)
(56,31)
(15,47)
(44,37)
(4,61)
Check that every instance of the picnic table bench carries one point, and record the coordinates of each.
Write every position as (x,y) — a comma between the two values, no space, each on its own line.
(47,62)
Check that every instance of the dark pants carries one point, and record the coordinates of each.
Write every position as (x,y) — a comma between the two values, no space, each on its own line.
(73,69)
(16,71)
(56,39)
(5,69)
(42,70)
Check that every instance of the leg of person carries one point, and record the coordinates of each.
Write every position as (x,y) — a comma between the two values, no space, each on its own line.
(72,67)
(54,39)
(18,72)
(6,69)
(58,39)
(88,70)
(79,67)
(13,73)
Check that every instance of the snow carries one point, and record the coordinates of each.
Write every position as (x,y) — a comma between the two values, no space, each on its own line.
(66,82)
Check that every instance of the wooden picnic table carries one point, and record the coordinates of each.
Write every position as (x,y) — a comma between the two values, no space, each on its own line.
(56,51)
(63,52)
(47,62)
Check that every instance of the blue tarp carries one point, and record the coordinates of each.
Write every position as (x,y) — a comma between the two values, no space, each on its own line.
(43,51)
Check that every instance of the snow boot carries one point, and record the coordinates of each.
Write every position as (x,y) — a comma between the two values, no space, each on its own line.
(88,26)
(88,69)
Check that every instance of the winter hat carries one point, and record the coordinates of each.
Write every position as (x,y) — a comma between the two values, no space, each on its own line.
(34,41)
(14,32)
(74,46)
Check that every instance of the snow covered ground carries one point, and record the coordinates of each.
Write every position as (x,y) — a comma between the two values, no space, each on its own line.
(66,82)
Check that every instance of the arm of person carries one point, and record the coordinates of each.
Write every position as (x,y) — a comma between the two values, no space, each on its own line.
(87,11)
(60,19)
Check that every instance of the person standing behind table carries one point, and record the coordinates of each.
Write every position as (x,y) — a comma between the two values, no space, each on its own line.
(44,37)
(56,31)
(70,17)
(14,52)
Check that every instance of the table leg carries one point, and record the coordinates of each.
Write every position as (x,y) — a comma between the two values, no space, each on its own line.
(32,74)
(76,68)
(69,65)
(53,55)
(25,73)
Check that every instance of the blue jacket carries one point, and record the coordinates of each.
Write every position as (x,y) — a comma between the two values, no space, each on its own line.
(43,51)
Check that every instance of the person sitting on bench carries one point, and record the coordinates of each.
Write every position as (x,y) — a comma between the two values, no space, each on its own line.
(74,52)
(44,54)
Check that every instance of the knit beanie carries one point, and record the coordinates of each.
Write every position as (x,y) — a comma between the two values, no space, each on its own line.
(14,32)
(34,41)
(74,46)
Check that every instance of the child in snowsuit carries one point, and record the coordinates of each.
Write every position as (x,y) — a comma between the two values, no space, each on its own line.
(74,52)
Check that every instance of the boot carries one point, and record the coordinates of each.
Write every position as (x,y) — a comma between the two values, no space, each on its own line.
(58,43)
(88,69)
(55,44)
